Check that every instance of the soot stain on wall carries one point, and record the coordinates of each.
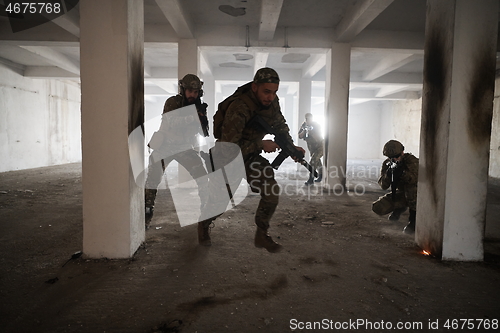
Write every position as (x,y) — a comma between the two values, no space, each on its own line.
(136,116)
(480,97)
(435,75)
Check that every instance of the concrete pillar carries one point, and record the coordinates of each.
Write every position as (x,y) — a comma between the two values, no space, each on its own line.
(289,115)
(188,57)
(459,74)
(188,63)
(338,65)
(305,93)
(112,76)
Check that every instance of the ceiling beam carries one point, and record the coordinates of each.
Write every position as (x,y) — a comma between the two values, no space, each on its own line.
(205,68)
(314,65)
(18,68)
(371,94)
(269,15)
(357,16)
(389,90)
(260,60)
(178,17)
(49,72)
(388,64)
(170,87)
(162,73)
(55,58)
(414,79)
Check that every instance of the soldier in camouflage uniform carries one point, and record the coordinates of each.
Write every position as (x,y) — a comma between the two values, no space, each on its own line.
(310,131)
(405,171)
(258,98)
(180,133)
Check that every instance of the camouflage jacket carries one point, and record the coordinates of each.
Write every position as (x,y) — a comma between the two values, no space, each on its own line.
(409,164)
(180,131)
(235,127)
(313,138)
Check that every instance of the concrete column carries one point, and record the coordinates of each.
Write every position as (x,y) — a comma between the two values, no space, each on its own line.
(305,93)
(459,76)
(338,65)
(112,76)
(188,63)
(289,116)
(209,98)
(188,58)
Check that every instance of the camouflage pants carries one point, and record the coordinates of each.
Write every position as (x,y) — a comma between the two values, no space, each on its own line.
(405,198)
(190,160)
(260,177)
(316,155)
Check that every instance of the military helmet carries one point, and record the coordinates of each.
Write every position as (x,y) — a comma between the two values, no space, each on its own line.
(191,81)
(266,75)
(393,148)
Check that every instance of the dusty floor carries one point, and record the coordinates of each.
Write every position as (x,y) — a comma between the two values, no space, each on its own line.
(358,267)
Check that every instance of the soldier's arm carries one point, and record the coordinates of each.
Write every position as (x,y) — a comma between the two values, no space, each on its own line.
(384,180)
(410,175)
(235,120)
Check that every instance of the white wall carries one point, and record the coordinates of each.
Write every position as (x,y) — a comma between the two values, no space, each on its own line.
(363,136)
(386,126)
(400,120)
(406,121)
(40,122)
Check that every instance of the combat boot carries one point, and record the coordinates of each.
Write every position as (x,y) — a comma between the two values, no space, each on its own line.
(263,240)
(310,181)
(320,176)
(396,213)
(149,200)
(148,216)
(410,227)
(204,233)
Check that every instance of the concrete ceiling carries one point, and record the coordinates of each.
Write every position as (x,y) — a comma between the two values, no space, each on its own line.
(236,37)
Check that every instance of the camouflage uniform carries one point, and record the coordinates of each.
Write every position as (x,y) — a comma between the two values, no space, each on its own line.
(315,146)
(184,140)
(406,195)
(235,129)
(406,191)
(188,158)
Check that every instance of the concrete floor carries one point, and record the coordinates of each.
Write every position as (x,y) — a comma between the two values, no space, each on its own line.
(342,266)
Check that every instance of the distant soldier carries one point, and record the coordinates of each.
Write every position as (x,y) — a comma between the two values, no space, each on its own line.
(310,131)
(180,136)
(400,172)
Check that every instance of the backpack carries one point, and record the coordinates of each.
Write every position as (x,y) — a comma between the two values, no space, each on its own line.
(224,105)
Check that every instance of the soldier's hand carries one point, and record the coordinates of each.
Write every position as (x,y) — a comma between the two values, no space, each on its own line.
(388,172)
(301,150)
(269,146)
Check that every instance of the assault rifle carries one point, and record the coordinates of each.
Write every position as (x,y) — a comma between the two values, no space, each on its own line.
(202,114)
(396,171)
(287,148)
